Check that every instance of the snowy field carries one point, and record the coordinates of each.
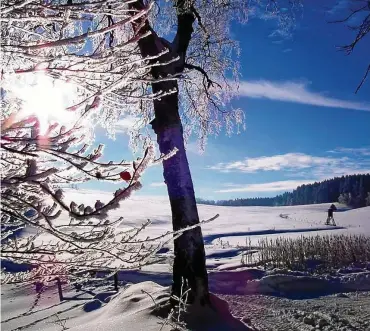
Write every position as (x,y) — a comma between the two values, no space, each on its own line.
(253,294)
(225,237)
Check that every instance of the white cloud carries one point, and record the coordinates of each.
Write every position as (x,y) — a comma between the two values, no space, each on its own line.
(158,184)
(287,161)
(296,92)
(283,21)
(299,165)
(126,123)
(344,150)
(302,168)
(278,186)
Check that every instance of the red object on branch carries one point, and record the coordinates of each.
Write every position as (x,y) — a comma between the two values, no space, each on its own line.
(125,175)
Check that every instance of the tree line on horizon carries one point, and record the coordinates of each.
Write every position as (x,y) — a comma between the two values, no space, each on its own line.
(351,190)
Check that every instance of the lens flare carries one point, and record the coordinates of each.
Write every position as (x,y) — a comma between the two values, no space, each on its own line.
(45,98)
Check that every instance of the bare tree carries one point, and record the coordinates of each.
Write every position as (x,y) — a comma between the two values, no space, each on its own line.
(357,19)
(202,60)
(119,59)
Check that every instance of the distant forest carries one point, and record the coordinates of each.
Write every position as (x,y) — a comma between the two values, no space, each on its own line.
(352,190)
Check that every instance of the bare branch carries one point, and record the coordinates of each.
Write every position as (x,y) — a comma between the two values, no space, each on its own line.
(362,13)
(363,79)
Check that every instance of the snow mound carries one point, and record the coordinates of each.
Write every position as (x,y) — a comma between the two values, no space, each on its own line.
(144,306)
(287,284)
(131,309)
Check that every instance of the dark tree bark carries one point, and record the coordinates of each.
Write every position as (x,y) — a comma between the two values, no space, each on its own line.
(189,262)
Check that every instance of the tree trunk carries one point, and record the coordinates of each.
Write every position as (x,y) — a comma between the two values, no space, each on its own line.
(189,263)
(189,270)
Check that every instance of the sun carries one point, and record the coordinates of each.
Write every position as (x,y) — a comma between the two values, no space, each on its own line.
(46,98)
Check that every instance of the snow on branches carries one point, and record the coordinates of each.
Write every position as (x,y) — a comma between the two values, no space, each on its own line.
(67,66)
(88,47)
(207,65)
(62,238)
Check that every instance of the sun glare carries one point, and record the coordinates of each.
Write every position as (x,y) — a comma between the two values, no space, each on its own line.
(47,99)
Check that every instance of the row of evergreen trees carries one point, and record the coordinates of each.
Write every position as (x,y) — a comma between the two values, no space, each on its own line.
(352,190)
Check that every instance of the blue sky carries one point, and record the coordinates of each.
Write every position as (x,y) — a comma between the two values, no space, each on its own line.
(304,122)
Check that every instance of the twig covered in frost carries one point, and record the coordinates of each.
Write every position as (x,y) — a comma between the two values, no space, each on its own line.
(66,67)
(74,259)
(85,47)
(178,309)
(33,166)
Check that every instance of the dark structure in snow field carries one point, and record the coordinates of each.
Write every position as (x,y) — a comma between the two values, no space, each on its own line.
(331,215)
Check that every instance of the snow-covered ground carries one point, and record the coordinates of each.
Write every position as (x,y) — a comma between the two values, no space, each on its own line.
(234,224)
(100,308)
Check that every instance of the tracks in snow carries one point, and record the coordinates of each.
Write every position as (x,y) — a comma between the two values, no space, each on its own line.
(334,312)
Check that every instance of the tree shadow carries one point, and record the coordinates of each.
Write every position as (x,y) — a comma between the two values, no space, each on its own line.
(215,316)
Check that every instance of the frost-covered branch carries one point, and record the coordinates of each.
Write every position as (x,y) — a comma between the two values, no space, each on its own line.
(61,75)
(357,20)
(69,238)
(72,261)
(87,48)
(207,55)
